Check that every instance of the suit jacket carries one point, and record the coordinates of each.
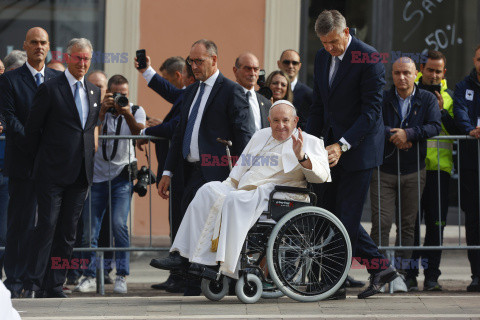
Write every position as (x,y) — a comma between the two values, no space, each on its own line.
(351,108)
(302,100)
(17,89)
(265,105)
(165,130)
(227,115)
(55,135)
(164,88)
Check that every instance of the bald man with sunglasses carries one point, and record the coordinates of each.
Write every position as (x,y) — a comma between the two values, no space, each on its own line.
(290,63)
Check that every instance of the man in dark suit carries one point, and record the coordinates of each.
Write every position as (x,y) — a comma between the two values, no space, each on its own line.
(346,111)
(302,94)
(17,89)
(62,135)
(214,107)
(246,72)
(176,76)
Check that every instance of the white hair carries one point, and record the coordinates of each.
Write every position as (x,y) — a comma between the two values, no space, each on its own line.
(81,43)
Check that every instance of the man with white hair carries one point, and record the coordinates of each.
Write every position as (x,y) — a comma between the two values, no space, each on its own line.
(62,136)
(219,217)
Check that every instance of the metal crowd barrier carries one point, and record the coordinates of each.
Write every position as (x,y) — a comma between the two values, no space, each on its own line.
(389,249)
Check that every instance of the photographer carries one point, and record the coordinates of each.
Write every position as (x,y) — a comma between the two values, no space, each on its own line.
(114,171)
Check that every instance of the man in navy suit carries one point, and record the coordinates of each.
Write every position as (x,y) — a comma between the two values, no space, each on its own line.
(17,89)
(176,76)
(214,107)
(246,72)
(346,111)
(62,136)
(302,94)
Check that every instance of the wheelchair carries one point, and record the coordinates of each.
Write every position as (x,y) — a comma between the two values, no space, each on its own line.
(301,251)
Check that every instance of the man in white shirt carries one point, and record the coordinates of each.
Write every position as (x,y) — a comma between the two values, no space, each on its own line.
(246,72)
(112,178)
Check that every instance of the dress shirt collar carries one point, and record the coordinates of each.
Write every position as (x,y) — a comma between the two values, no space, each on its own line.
(252,91)
(294,83)
(211,81)
(72,80)
(33,71)
(407,98)
(348,44)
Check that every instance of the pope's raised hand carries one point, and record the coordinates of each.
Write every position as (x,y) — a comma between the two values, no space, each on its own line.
(297,145)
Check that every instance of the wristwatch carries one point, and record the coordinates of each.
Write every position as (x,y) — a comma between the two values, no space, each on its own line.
(343,146)
(305,158)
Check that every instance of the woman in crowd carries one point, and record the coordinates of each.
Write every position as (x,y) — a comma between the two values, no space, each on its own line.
(279,83)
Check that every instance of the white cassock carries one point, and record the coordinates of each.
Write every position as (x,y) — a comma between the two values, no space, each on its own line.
(227,210)
(7,312)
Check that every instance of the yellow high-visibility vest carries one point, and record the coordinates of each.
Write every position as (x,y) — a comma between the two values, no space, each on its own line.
(445,147)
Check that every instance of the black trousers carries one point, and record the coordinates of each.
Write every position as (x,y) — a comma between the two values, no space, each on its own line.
(176,198)
(433,223)
(20,223)
(469,203)
(345,197)
(59,208)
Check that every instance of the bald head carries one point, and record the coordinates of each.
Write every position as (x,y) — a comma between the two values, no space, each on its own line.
(404,73)
(246,70)
(36,45)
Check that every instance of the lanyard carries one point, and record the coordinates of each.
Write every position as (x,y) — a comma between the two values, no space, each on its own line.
(115,142)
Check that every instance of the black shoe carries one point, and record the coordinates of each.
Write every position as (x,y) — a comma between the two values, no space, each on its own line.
(203,271)
(352,283)
(107,279)
(172,262)
(55,294)
(163,285)
(14,294)
(431,285)
(474,285)
(176,287)
(341,294)
(377,281)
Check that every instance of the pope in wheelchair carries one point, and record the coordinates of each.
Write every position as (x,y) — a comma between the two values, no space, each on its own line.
(301,258)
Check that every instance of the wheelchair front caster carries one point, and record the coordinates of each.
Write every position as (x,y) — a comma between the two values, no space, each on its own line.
(249,291)
(213,289)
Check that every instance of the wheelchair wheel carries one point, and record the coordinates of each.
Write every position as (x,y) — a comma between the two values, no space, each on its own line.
(249,291)
(213,289)
(309,254)
(273,293)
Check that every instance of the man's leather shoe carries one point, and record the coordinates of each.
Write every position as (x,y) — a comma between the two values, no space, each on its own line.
(474,286)
(163,285)
(172,262)
(377,281)
(192,292)
(56,294)
(341,294)
(352,283)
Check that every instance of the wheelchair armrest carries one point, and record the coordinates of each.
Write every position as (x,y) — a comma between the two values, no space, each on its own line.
(291,189)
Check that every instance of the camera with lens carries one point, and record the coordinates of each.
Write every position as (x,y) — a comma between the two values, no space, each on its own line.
(145,177)
(264,90)
(119,99)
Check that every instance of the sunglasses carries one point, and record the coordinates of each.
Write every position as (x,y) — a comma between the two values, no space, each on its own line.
(288,62)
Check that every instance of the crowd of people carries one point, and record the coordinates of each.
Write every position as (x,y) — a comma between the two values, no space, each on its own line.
(61,186)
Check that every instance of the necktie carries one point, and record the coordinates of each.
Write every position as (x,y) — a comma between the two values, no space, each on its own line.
(335,69)
(38,79)
(252,115)
(78,101)
(187,139)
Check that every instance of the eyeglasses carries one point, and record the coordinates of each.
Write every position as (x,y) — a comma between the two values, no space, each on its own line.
(78,59)
(198,62)
(288,62)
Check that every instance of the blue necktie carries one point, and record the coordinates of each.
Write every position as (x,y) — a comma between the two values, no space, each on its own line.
(38,79)
(187,139)
(335,69)
(78,101)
